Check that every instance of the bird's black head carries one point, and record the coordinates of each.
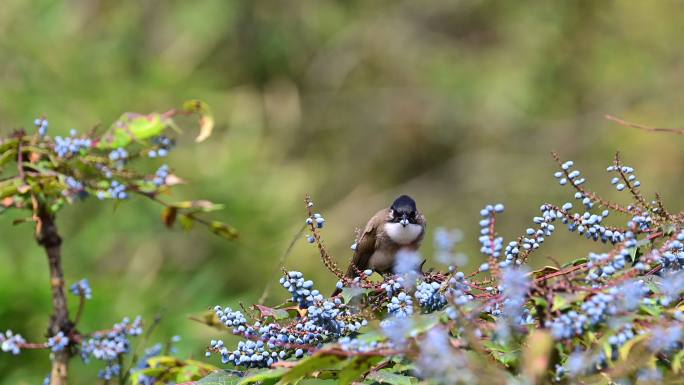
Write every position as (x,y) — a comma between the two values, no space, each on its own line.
(404,210)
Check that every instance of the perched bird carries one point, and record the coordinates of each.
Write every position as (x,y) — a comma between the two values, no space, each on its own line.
(399,227)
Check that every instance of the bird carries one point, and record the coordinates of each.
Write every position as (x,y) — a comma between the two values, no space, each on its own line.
(396,228)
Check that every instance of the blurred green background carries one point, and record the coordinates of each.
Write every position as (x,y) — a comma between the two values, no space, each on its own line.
(457,103)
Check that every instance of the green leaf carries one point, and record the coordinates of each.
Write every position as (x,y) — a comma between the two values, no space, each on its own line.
(264,375)
(186,221)
(356,367)
(652,310)
(677,362)
(424,322)
(575,262)
(220,378)
(544,271)
(348,293)
(9,187)
(388,376)
(133,127)
(224,230)
(7,156)
(311,364)
(277,314)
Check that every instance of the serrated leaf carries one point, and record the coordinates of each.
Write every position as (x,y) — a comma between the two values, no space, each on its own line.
(356,367)
(348,293)
(264,375)
(387,376)
(133,127)
(314,363)
(277,314)
(220,378)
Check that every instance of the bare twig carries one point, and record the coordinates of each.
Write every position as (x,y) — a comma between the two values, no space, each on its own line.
(81,307)
(678,131)
(589,194)
(281,264)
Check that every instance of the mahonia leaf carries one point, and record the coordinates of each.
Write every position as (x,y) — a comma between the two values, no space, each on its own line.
(131,127)
(7,156)
(313,363)
(219,378)
(261,376)
(266,311)
(677,362)
(388,376)
(356,366)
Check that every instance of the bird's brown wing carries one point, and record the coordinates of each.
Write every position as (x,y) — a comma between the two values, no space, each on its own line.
(366,244)
(421,221)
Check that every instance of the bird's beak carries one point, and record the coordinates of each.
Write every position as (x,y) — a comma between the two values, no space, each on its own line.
(404,221)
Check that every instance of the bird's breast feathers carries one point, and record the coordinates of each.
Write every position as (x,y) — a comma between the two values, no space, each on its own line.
(403,235)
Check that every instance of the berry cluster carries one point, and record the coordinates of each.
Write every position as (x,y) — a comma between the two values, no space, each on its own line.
(491,243)
(326,320)
(429,296)
(116,190)
(109,345)
(42,126)
(10,342)
(301,290)
(160,175)
(82,288)
(589,310)
(58,342)
(400,305)
(163,145)
(71,145)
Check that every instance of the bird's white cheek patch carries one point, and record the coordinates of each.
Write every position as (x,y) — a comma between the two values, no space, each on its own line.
(403,235)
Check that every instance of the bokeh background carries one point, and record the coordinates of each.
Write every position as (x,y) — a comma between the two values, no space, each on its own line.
(457,103)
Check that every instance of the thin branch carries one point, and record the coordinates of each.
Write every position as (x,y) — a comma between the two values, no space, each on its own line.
(81,307)
(632,189)
(677,131)
(281,264)
(589,194)
(327,259)
(141,343)
(48,237)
